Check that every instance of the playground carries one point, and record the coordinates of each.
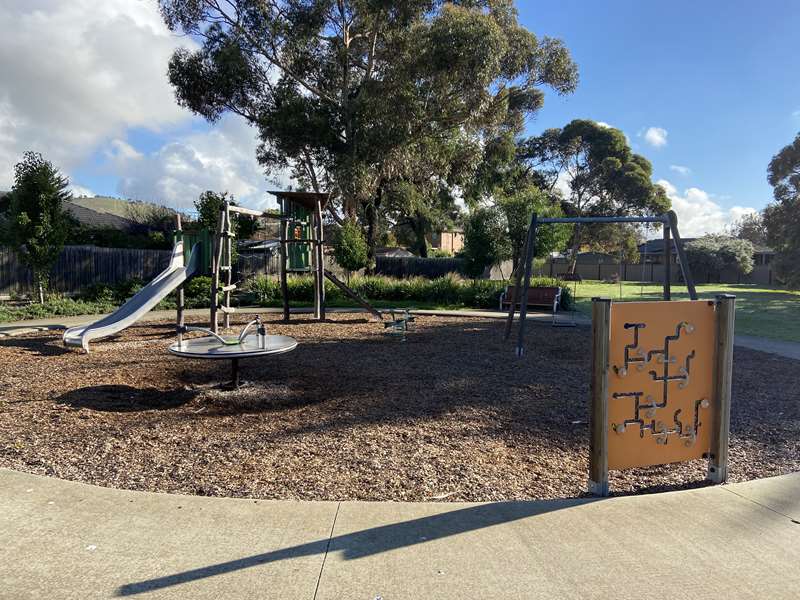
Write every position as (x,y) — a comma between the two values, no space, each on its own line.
(354,413)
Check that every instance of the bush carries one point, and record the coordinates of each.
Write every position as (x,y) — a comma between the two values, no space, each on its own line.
(349,247)
(449,290)
(197,292)
(486,242)
(711,254)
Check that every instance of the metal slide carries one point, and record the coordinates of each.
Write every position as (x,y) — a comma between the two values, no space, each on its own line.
(140,304)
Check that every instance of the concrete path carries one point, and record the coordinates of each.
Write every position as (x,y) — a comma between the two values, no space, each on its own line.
(70,540)
(779,347)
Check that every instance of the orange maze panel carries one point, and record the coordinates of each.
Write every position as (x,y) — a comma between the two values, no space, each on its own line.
(660,382)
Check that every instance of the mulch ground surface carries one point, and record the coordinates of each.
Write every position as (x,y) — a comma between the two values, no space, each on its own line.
(352,413)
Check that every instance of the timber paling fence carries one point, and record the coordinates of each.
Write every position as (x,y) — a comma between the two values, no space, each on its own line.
(79,267)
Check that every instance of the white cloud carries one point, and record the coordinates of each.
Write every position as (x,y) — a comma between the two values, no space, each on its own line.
(656,136)
(76,74)
(698,213)
(79,190)
(796,114)
(680,169)
(606,125)
(178,172)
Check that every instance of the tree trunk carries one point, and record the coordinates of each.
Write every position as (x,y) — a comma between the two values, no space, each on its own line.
(371,215)
(40,287)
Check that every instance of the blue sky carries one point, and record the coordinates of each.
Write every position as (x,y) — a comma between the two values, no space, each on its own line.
(719,77)
(705,90)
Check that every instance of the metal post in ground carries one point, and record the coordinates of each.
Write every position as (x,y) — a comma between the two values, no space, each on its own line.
(598,398)
(723,377)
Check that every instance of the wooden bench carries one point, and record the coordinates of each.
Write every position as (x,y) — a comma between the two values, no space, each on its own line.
(549,297)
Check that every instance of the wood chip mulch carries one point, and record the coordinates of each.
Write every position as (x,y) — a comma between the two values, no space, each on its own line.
(352,413)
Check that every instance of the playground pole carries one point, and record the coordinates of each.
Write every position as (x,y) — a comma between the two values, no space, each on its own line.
(667,263)
(523,303)
(723,378)
(284,235)
(598,399)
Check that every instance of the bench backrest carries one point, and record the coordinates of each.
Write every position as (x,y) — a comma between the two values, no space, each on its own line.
(536,295)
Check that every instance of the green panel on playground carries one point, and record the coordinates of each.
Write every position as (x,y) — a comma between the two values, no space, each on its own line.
(298,228)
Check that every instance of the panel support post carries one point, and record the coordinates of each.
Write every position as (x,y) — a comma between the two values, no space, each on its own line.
(523,294)
(284,234)
(723,377)
(667,263)
(598,408)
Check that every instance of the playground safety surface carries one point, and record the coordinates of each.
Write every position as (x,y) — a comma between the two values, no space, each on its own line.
(352,414)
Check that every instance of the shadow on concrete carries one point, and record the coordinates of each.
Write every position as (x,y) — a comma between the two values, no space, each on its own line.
(124,398)
(374,540)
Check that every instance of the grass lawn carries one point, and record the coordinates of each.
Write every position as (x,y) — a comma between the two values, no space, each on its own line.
(761,311)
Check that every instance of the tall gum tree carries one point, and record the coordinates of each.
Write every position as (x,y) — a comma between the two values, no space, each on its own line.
(342,91)
(782,217)
(591,171)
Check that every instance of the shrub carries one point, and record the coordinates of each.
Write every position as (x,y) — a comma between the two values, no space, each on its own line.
(447,290)
(197,291)
(711,254)
(350,248)
(486,242)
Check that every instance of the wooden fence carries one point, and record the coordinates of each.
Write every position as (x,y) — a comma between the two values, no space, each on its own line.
(761,274)
(79,267)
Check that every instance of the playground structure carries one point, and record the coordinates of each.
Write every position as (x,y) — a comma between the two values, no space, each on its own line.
(661,385)
(173,277)
(233,348)
(669,223)
(301,251)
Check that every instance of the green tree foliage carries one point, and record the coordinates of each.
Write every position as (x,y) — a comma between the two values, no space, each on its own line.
(600,173)
(486,241)
(751,227)
(782,217)
(711,254)
(209,206)
(38,225)
(350,247)
(620,241)
(357,97)
(504,181)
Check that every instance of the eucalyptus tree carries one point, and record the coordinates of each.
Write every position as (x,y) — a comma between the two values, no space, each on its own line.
(592,171)
(782,217)
(342,91)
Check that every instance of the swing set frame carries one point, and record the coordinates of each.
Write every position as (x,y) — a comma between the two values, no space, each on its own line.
(669,223)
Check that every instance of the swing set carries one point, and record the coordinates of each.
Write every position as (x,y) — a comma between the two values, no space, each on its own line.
(671,236)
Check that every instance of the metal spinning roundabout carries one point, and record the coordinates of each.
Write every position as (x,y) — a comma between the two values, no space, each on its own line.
(233,348)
